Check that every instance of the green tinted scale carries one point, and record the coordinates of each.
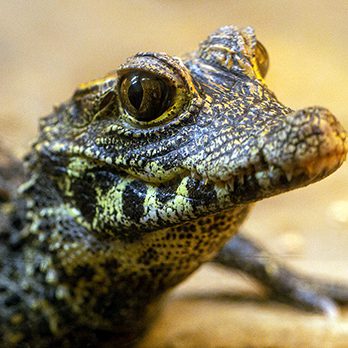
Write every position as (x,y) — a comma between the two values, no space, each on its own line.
(140,178)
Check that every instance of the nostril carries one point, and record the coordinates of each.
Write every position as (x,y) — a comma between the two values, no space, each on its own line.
(316,130)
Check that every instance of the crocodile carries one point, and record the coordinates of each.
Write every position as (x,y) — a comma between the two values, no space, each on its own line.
(141,177)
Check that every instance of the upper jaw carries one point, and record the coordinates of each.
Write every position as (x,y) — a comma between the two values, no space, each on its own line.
(307,146)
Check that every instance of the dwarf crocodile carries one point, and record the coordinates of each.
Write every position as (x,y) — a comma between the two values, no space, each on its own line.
(142,176)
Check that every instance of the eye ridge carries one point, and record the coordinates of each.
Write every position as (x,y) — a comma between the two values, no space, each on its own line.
(146,96)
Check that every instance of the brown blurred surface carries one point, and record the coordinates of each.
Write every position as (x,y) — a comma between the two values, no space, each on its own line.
(47,48)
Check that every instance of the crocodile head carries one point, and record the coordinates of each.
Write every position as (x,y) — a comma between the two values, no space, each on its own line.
(164,140)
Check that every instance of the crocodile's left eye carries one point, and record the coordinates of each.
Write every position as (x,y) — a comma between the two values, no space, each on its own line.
(146,96)
(262,58)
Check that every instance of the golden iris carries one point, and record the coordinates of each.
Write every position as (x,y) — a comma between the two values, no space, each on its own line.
(145,96)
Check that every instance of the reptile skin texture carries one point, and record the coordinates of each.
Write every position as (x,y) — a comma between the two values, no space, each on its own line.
(138,179)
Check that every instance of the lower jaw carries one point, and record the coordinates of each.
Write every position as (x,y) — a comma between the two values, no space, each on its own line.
(272,181)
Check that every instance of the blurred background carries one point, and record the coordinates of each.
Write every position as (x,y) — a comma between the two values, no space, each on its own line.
(48,47)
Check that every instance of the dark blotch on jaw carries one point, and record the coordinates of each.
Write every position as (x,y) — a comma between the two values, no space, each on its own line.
(167,191)
(84,190)
(85,196)
(199,191)
(133,199)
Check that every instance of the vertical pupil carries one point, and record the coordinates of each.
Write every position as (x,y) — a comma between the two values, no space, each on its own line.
(146,96)
(135,92)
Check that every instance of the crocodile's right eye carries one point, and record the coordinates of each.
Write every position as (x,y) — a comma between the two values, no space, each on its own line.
(146,96)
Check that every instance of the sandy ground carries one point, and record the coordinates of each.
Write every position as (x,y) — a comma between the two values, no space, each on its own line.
(47,48)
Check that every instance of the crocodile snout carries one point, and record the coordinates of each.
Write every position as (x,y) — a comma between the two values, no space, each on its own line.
(311,141)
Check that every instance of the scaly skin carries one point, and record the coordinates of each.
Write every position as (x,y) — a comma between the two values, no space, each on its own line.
(116,210)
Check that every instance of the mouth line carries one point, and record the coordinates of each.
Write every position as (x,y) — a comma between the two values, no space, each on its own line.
(254,183)
(271,175)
